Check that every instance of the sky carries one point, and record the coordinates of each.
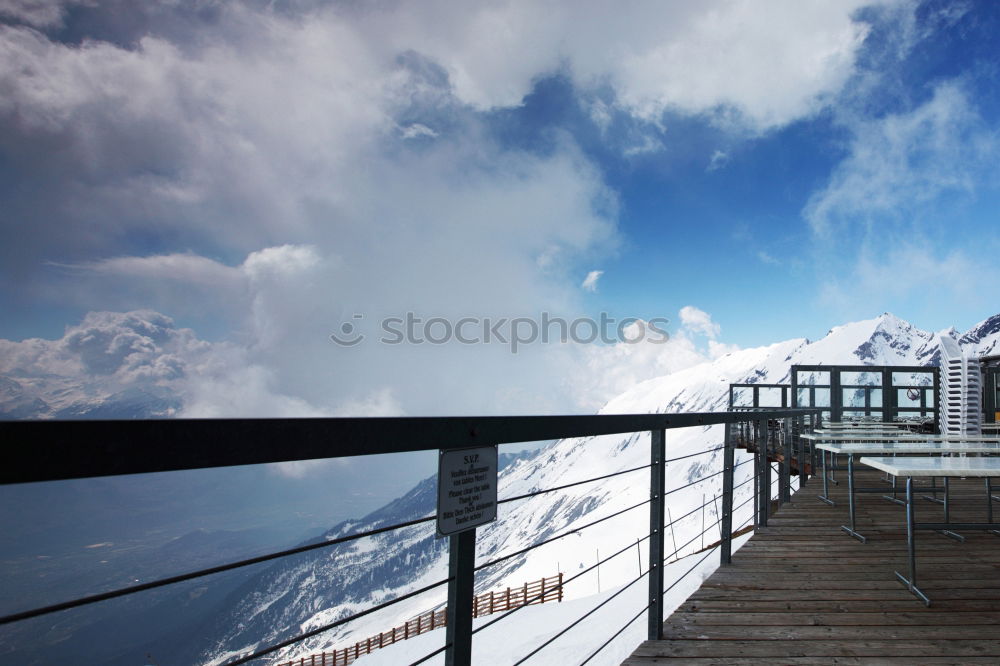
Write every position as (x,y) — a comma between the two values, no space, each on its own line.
(198,194)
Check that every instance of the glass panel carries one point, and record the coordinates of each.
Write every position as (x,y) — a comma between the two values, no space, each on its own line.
(770,397)
(912,378)
(743,397)
(822,397)
(875,397)
(853,398)
(813,377)
(861,378)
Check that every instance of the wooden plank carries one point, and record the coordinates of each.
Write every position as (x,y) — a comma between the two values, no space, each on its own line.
(847,634)
(884,618)
(809,661)
(803,592)
(820,648)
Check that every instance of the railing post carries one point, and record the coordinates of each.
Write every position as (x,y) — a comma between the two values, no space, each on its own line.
(798,423)
(728,458)
(461,574)
(764,498)
(786,464)
(657,454)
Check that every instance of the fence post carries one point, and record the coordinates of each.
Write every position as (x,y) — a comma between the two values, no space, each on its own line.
(752,433)
(560,587)
(461,574)
(786,464)
(657,454)
(797,423)
(728,457)
(764,499)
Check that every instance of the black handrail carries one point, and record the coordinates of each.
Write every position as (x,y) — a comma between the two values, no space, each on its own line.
(81,449)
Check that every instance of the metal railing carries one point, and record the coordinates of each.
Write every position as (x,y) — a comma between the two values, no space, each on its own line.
(80,449)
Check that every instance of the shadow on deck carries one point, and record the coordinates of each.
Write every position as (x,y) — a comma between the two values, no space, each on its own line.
(803,592)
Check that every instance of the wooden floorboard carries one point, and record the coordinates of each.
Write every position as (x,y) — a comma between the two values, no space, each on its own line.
(801,591)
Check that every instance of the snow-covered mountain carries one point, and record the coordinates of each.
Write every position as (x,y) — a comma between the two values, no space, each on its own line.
(308,592)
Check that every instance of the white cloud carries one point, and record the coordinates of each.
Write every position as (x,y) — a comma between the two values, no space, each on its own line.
(598,373)
(699,322)
(38,13)
(417,130)
(381,402)
(187,267)
(767,258)
(275,156)
(917,277)
(718,160)
(758,67)
(110,352)
(590,282)
(899,163)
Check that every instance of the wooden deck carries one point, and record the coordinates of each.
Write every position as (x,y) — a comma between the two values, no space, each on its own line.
(803,592)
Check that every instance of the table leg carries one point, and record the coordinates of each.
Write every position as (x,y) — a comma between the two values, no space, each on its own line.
(989,504)
(852,530)
(934,489)
(826,482)
(911,547)
(947,516)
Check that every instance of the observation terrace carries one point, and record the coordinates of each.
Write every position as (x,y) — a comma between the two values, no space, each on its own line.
(799,591)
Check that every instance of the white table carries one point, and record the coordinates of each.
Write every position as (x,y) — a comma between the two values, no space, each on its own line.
(894,447)
(828,472)
(933,467)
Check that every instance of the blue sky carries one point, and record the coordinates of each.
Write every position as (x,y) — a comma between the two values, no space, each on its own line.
(261,174)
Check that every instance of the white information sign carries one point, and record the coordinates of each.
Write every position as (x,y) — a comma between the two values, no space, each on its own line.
(467,489)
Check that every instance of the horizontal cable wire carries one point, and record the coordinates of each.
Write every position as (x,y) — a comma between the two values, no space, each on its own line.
(325,544)
(679,518)
(583,527)
(564,583)
(579,620)
(685,574)
(326,627)
(432,654)
(692,455)
(132,589)
(606,476)
(558,536)
(745,502)
(684,545)
(609,599)
(570,485)
(617,633)
(610,557)
(688,485)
